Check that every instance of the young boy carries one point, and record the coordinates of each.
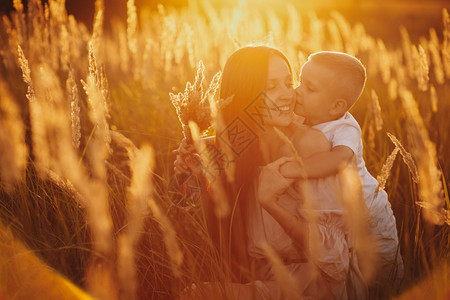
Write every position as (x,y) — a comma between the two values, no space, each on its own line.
(330,83)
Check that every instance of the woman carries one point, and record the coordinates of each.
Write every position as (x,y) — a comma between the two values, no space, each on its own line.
(267,206)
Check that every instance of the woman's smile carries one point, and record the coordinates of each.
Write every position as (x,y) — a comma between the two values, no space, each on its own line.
(284,108)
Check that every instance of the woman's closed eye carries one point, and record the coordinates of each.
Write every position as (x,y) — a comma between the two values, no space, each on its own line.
(271,87)
(273,84)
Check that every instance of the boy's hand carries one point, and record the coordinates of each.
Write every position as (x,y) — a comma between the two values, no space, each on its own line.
(292,169)
(271,183)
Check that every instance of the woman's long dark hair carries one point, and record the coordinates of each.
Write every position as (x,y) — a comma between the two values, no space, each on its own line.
(244,78)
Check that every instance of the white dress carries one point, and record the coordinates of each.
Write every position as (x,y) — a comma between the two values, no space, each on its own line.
(331,270)
(345,131)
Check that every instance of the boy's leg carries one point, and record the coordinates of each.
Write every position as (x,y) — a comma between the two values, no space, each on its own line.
(384,227)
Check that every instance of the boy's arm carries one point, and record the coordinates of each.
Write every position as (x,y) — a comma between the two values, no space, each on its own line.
(346,138)
(318,165)
(307,143)
(325,164)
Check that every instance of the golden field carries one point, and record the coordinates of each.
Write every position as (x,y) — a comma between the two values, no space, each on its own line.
(89,205)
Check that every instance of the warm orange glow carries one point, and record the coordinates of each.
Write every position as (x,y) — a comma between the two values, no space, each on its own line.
(91,98)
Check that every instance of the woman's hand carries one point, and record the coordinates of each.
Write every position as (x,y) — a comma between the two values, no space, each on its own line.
(187,161)
(271,183)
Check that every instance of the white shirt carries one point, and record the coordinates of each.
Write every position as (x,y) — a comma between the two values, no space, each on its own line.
(345,131)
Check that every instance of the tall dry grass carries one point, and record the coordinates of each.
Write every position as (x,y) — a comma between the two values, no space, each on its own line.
(82,190)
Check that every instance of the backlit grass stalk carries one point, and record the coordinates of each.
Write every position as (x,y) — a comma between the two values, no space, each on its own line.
(19,21)
(309,205)
(384,61)
(421,68)
(57,160)
(212,175)
(98,150)
(97,99)
(13,151)
(101,281)
(357,219)
(376,111)
(64,47)
(193,104)
(371,134)
(104,89)
(50,114)
(287,282)
(345,30)
(219,125)
(393,89)
(446,42)
(26,73)
(430,184)
(434,47)
(294,152)
(97,30)
(407,157)
(335,36)
(10,57)
(132,40)
(386,169)
(407,51)
(434,99)
(169,237)
(58,26)
(53,150)
(38,38)
(142,165)
(72,91)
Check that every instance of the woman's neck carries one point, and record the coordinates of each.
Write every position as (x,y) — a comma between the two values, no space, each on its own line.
(271,142)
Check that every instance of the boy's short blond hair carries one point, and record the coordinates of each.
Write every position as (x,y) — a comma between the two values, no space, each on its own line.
(350,73)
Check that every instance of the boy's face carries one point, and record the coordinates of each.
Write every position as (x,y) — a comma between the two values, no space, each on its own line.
(315,93)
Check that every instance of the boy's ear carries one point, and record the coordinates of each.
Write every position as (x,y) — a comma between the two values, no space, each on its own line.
(339,107)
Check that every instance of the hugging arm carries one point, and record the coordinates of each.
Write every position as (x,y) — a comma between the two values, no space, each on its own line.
(271,184)
(319,165)
(319,160)
(325,164)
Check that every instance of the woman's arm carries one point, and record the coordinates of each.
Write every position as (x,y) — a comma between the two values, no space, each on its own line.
(271,184)
(187,161)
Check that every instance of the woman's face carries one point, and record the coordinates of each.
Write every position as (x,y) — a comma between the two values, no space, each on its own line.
(280,92)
